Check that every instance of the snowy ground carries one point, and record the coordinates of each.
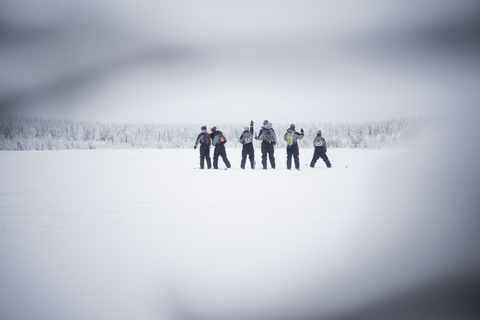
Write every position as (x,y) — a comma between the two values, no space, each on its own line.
(140,234)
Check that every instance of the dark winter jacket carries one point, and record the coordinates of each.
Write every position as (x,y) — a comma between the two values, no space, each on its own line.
(319,142)
(201,138)
(247,136)
(216,135)
(296,135)
(263,132)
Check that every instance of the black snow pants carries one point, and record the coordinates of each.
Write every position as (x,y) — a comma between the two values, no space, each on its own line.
(293,151)
(248,150)
(205,155)
(220,151)
(320,153)
(267,148)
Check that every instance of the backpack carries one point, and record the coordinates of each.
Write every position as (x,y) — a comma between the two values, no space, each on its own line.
(223,139)
(247,138)
(268,136)
(290,138)
(206,139)
(218,138)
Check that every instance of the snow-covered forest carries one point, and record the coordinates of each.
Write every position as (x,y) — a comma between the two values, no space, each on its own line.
(26,133)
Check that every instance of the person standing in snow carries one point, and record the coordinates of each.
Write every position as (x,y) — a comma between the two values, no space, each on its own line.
(246,139)
(218,141)
(205,141)
(292,136)
(320,150)
(269,140)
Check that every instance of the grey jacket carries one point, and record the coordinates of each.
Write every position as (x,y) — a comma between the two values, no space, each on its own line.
(319,142)
(247,136)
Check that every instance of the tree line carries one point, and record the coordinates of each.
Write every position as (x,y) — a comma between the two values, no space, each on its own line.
(27,133)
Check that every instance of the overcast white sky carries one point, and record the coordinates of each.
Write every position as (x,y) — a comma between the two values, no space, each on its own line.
(231,61)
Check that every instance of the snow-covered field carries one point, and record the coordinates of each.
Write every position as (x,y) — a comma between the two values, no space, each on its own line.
(141,234)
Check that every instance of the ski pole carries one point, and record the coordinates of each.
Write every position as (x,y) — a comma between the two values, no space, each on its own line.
(309,156)
(304,152)
(338,160)
(197,163)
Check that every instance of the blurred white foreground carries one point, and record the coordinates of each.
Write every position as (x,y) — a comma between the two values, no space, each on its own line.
(140,234)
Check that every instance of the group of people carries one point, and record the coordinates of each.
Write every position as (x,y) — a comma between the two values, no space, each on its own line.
(268,140)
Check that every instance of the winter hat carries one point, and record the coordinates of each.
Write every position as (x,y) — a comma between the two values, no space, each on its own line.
(265,122)
(319,132)
(204,128)
(214,129)
(292,126)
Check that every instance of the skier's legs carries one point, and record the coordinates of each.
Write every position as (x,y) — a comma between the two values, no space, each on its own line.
(224,157)
(296,156)
(289,158)
(207,157)
(244,157)
(264,155)
(202,157)
(271,156)
(324,157)
(216,153)
(316,155)
(252,159)
(250,151)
